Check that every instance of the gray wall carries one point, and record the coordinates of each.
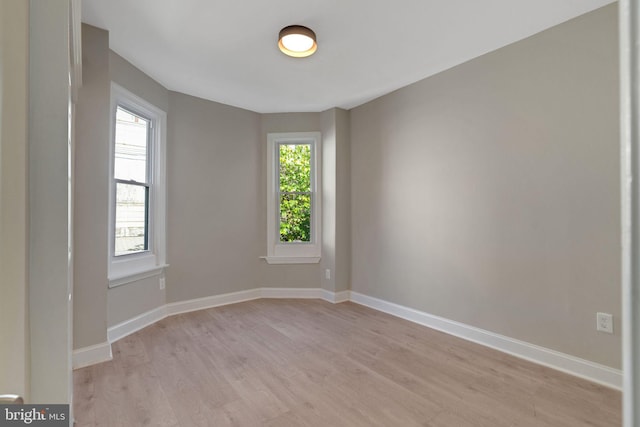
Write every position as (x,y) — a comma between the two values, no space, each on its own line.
(343,200)
(213,166)
(131,78)
(489,194)
(91,210)
(295,275)
(95,306)
(336,214)
(216,220)
(132,299)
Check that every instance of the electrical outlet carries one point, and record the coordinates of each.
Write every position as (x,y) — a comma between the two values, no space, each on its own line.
(604,322)
(327,274)
(162,282)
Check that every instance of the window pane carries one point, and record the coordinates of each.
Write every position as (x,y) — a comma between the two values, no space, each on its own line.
(132,218)
(295,167)
(131,147)
(295,217)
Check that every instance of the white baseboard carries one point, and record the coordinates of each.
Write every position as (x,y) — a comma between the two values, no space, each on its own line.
(91,355)
(335,297)
(554,359)
(311,293)
(128,327)
(301,293)
(212,301)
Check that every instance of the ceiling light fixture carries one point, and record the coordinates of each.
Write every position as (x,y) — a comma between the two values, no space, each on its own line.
(297,41)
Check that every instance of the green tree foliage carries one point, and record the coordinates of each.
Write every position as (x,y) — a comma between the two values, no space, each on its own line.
(295,192)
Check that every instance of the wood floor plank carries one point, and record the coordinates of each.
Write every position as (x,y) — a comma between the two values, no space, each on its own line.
(84,385)
(312,363)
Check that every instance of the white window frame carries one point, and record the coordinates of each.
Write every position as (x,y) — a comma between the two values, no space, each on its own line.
(294,252)
(132,267)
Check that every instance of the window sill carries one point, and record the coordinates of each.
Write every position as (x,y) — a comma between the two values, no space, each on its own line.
(134,276)
(291,260)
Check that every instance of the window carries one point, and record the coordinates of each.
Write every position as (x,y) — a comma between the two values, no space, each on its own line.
(294,198)
(137,188)
(131,178)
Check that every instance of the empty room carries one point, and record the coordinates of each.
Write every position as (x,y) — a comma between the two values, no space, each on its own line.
(317,213)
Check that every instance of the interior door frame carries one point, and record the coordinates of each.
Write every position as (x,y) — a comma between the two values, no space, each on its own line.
(629,21)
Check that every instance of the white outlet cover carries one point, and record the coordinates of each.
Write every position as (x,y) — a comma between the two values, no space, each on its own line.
(604,322)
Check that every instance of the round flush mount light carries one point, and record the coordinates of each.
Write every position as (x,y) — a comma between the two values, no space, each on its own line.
(297,41)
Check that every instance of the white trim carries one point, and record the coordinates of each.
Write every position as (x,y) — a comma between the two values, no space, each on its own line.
(305,293)
(212,301)
(629,37)
(87,356)
(336,297)
(144,274)
(299,293)
(543,356)
(128,327)
(291,260)
(278,252)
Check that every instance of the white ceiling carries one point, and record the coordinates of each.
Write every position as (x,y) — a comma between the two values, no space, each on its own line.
(226,50)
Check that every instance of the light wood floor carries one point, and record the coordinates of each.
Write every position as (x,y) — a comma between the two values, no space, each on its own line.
(312,363)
